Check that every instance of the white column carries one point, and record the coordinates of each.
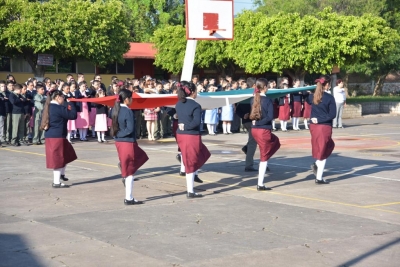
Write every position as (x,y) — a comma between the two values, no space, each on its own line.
(188,63)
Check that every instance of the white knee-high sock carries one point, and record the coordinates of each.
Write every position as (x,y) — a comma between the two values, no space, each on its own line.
(228,127)
(261,172)
(129,187)
(85,132)
(306,123)
(190,182)
(273,124)
(57,175)
(98,136)
(294,123)
(210,129)
(224,127)
(69,136)
(321,166)
(297,123)
(183,169)
(81,133)
(284,125)
(102,136)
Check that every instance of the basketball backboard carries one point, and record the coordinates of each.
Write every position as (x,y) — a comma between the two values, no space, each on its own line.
(209,19)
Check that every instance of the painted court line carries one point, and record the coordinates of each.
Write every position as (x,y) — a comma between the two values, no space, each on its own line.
(240,187)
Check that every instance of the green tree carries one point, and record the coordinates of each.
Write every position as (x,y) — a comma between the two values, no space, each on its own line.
(170,43)
(146,16)
(96,31)
(309,7)
(314,44)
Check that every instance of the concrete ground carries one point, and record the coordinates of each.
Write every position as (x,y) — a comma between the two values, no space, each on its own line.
(353,221)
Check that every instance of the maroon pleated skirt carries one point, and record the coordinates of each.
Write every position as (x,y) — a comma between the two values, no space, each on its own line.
(174,129)
(284,112)
(307,110)
(194,152)
(321,141)
(131,157)
(297,110)
(276,110)
(267,141)
(59,152)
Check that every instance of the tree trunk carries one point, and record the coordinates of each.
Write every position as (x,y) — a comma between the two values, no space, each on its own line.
(38,71)
(296,74)
(345,83)
(379,85)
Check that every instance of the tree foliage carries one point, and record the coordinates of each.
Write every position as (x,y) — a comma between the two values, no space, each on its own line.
(170,43)
(309,7)
(146,16)
(313,44)
(96,31)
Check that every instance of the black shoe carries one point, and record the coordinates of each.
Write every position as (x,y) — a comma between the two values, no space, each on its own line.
(321,181)
(178,157)
(60,185)
(132,202)
(263,188)
(182,173)
(197,179)
(63,178)
(244,149)
(193,195)
(314,168)
(251,169)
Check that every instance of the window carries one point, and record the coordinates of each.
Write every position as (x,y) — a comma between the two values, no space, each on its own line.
(86,67)
(5,64)
(127,67)
(66,66)
(107,69)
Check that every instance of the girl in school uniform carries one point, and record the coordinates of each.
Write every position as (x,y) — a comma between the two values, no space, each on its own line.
(101,118)
(323,111)
(272,85)
(131,156)
(59,152)
(284,108)
(306,109)
(262,114)
(82,121)
(194,152)
(65,88)
(71,123)
(296,100)
(150,116)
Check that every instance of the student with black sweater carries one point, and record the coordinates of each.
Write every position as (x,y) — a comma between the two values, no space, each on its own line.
(18,115)
(323,111)
(262,114)
(59,152)
(131,156)
(194,152)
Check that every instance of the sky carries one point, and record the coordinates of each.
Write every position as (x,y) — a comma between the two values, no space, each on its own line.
(239,5)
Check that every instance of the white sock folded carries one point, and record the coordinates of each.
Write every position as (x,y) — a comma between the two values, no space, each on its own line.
(261,172)
(57,175)
(224,127)
(183,169)
(321,166)
(228,127)
(129,187)
(306,123)
(190,182)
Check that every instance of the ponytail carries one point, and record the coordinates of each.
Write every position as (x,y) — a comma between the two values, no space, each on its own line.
(51,95)
(123,94)
(256,113)
(319,91)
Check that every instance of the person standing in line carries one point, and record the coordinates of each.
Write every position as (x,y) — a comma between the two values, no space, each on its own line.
(18,115)
(262,114)
(8,124)
(59,152)
(284,108)
(39,101)
(194,152)
(28,114)
(131,156)
(323,111)
(306,108)
(83,109)
(296,100)
(2,111)
(101,118)
(339,93)
(244,110)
